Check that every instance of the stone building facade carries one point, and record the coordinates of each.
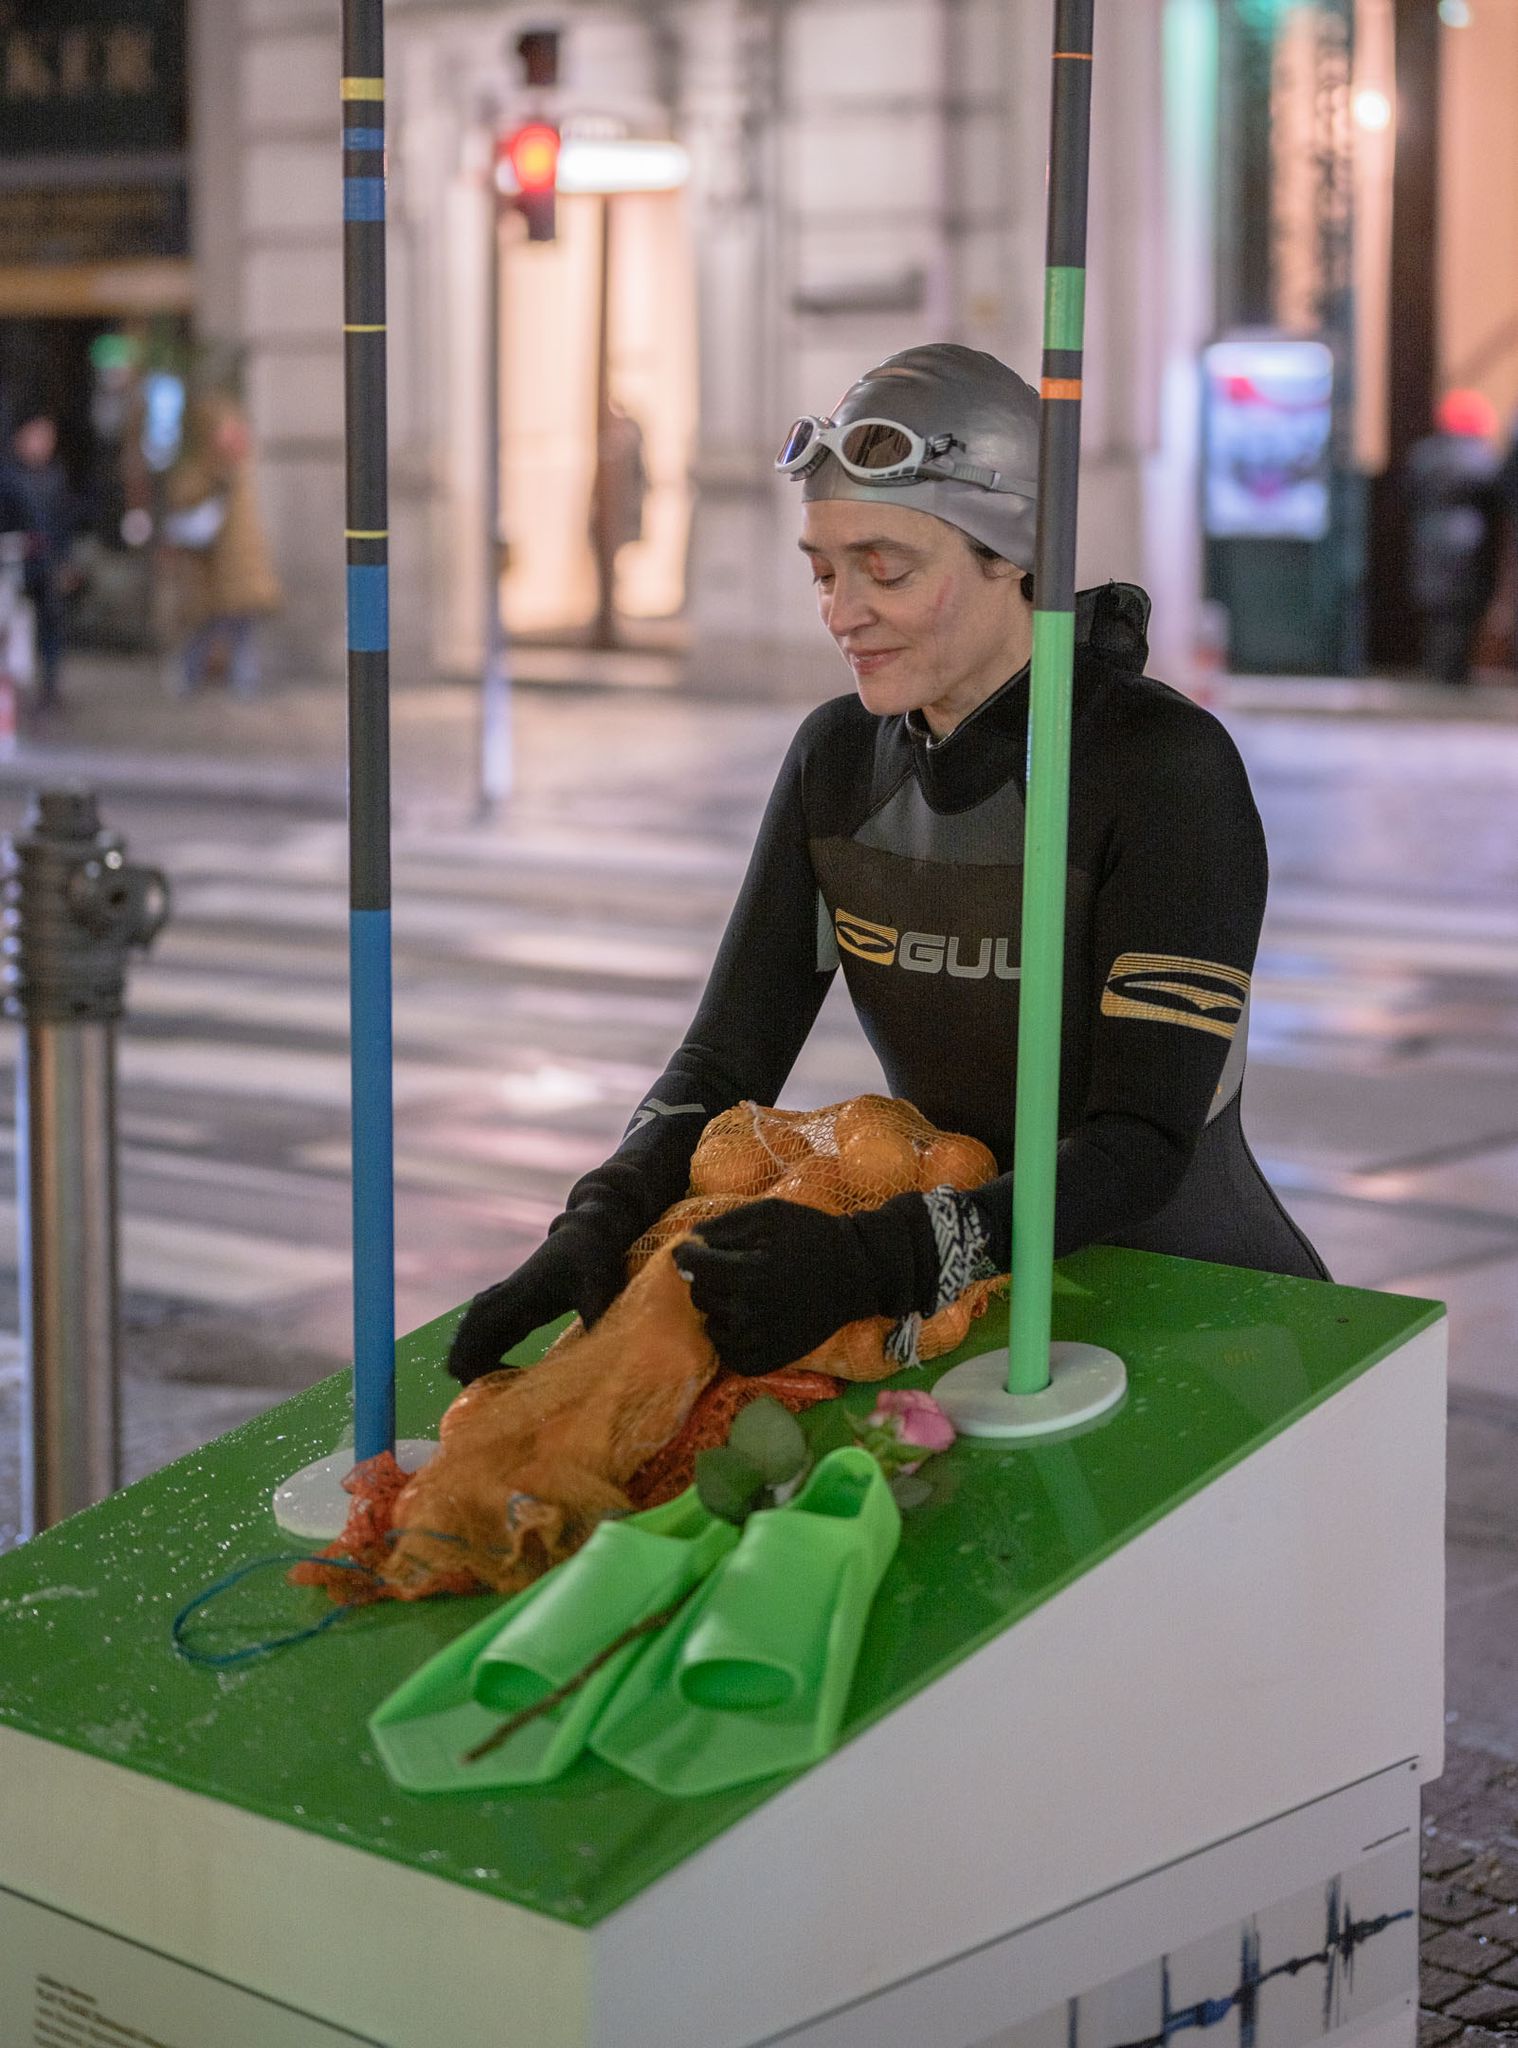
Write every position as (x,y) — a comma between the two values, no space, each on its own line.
(863,174)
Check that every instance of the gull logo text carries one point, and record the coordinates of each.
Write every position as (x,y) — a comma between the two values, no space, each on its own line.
(966,959)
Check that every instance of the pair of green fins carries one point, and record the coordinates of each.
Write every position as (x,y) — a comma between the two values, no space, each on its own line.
(749,1677)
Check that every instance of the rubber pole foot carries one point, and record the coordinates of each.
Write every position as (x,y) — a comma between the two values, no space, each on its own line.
(1084,1382)
(311,1503)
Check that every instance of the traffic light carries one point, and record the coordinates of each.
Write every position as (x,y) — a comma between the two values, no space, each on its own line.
(538,52)
(533,154)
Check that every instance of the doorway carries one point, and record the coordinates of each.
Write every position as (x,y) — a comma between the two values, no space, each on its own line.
(559,407)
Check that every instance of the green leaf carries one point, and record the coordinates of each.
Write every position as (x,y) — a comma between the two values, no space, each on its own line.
(729,1486)
(826,1427)
(769,1437)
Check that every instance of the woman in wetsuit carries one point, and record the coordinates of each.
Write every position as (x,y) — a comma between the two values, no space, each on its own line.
(892,848)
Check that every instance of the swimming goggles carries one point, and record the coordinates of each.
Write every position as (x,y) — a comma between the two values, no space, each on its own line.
(876,452)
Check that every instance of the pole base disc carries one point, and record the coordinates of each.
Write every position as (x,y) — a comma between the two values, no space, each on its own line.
(1084,1381)
(311,1503)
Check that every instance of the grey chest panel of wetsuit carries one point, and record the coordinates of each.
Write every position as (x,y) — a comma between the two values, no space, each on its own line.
(921,907)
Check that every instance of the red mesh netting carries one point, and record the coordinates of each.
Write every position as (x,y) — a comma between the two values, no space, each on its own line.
(375,1486)
(671,1470)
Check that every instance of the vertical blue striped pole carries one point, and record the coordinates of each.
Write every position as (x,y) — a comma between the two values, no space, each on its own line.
(1041,1009)
(367,536)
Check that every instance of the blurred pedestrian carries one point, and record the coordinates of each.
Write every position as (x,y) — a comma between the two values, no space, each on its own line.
(617,498)
(1507,499)
(224,577)
(1453,531)
(37,503)
(621,485)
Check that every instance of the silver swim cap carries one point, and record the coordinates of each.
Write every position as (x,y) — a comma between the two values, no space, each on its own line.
(944,388)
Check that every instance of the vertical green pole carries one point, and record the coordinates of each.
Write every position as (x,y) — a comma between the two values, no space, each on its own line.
(368,548)
(1047,832)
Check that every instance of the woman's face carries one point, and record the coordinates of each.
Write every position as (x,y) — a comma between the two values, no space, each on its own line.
(917,616)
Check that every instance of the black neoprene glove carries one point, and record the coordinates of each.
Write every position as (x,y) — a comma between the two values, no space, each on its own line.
(774,1279)
(582,1265)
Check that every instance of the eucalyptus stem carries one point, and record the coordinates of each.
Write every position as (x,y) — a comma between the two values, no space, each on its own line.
(647,1627)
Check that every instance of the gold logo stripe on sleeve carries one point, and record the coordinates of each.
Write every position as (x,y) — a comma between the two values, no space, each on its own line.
(1201,995)
(1172,963)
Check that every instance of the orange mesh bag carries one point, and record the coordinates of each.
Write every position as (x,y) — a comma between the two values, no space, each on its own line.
(847,1157)
(529,1459)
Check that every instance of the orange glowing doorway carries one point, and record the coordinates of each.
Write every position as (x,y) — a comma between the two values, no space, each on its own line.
(551,319)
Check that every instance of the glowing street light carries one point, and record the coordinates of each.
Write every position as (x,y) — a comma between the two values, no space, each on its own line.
(608,165)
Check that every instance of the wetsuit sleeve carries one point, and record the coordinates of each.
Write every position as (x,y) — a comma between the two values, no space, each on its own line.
(760,1002)
(1175,927)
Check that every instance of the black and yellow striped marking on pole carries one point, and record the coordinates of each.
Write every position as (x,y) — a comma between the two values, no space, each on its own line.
(1048,810)
(367,540)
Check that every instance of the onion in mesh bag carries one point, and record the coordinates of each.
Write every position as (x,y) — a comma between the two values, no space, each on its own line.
(844,1158)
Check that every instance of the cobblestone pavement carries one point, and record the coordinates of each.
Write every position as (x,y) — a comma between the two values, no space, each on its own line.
(545,964)
(1469,1975)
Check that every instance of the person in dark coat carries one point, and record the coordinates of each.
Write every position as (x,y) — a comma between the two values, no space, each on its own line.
(1453,531)
(36,501)
(1507,499)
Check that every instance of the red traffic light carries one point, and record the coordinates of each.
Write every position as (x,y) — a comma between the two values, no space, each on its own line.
(533,153)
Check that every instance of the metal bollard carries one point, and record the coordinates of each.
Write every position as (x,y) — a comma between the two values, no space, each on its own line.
(72,909)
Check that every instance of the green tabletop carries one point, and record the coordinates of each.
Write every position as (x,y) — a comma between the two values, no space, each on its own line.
(1219,1361)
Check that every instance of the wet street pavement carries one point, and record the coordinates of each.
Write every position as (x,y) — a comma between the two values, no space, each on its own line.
(546,964)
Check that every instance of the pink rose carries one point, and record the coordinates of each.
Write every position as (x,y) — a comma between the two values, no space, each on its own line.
(913,1417)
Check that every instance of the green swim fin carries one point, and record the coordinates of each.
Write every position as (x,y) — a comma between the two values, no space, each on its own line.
(754,1676)
(629,1570)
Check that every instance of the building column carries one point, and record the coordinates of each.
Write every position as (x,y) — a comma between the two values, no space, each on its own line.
(286,63)
(1120,428)
(1185,318)
(287,67)
(728,119)
(996,134)
(213,29)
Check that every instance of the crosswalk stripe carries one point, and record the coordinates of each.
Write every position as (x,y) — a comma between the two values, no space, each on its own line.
(225,1268)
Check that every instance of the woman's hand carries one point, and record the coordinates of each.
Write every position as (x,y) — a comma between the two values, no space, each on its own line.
(581,1265)
(774,1280)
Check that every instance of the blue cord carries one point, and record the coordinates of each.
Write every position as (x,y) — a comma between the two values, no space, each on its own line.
(221,1658)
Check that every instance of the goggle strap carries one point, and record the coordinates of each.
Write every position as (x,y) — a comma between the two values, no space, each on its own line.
(967,473)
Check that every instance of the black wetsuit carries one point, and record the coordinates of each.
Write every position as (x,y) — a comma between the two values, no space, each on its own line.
(899,858)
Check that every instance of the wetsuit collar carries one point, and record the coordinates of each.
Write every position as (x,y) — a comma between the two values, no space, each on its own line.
(983,751)
(990,747)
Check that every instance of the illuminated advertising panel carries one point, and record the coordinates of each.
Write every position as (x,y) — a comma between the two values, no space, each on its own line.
(1268,413)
